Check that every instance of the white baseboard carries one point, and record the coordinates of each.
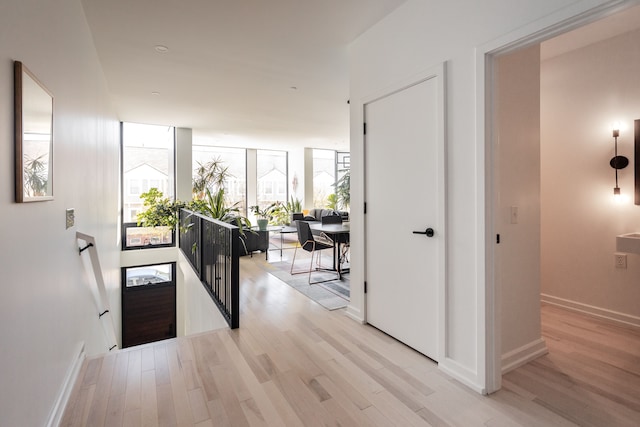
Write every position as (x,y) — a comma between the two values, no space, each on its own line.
(591,310)
(523,355)
(461,374)
(355,314)
(67,387)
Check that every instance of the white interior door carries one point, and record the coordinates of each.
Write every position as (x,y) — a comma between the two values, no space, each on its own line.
(404,164)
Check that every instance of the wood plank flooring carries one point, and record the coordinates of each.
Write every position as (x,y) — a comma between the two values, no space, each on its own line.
(591,375)
(293,363)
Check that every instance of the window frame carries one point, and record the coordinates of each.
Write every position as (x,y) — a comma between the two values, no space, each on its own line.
(126,192)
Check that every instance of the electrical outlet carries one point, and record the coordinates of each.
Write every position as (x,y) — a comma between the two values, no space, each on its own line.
(621,260)
(71,218)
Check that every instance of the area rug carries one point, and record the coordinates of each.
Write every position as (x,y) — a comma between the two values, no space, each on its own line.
(332,295)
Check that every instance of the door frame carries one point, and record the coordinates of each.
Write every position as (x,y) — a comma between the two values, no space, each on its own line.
(437,72)
(489,316)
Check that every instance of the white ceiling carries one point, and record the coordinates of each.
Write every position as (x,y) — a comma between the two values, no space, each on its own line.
(236,70)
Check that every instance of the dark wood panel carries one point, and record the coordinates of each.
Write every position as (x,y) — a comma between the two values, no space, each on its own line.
(148,314)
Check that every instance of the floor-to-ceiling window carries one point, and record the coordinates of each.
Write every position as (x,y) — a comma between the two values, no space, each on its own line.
(324,178)
(343,179)
(272,175)
(235,162)
(147,162)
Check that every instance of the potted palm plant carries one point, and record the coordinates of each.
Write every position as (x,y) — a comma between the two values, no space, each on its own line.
(343,190)
(210,175)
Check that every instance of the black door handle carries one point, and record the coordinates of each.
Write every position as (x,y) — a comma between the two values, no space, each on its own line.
(429,232)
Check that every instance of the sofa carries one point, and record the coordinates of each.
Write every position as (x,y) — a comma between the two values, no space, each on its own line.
(254,240)
(316,214)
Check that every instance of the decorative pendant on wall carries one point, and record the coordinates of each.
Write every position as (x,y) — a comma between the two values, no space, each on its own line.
(636,162)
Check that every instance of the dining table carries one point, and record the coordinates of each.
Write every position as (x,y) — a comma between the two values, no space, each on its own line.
(339,234)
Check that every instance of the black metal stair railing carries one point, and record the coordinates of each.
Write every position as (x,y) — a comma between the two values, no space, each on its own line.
(212,248)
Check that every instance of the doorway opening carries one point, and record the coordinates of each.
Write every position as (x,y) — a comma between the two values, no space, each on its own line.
(545,199)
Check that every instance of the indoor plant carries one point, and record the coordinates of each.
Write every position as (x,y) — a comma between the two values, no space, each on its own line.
(343,190)
(214,205)
(160,211)
(281,213)
(210,175)
(263,215)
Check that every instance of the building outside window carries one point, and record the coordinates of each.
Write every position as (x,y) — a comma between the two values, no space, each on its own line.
(134,187)
(324,176)
(272,175)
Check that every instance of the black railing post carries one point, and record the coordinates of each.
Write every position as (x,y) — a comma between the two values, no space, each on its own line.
(200,253)
(235,278)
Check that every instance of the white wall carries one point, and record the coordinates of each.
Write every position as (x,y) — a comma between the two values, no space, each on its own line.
(517,174)
(417,36)
(582,93)
(200,312)
(47,308)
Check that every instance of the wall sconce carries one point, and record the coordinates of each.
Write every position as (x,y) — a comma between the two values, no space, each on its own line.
(617,162)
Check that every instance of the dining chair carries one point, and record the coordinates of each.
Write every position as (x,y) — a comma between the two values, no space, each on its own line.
(331,219)
(310,243)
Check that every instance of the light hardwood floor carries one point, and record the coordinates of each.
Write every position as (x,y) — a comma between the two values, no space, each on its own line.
(591,375)
(294,363)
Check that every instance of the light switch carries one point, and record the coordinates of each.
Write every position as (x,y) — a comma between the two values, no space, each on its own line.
(71,218)
(514,214)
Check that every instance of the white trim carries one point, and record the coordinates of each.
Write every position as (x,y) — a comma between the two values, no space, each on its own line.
(461,374)
(488,326)
(591,310)
(488,329)
(67,387)
(442,214)
(403,83)
(355,314)
(523,355)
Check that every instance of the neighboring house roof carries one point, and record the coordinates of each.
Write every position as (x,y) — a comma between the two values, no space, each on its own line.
(325,173)
(271,172)
(154,157)
(143,165)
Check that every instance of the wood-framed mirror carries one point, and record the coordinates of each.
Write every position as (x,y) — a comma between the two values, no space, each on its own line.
(33,109)
(636,161)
